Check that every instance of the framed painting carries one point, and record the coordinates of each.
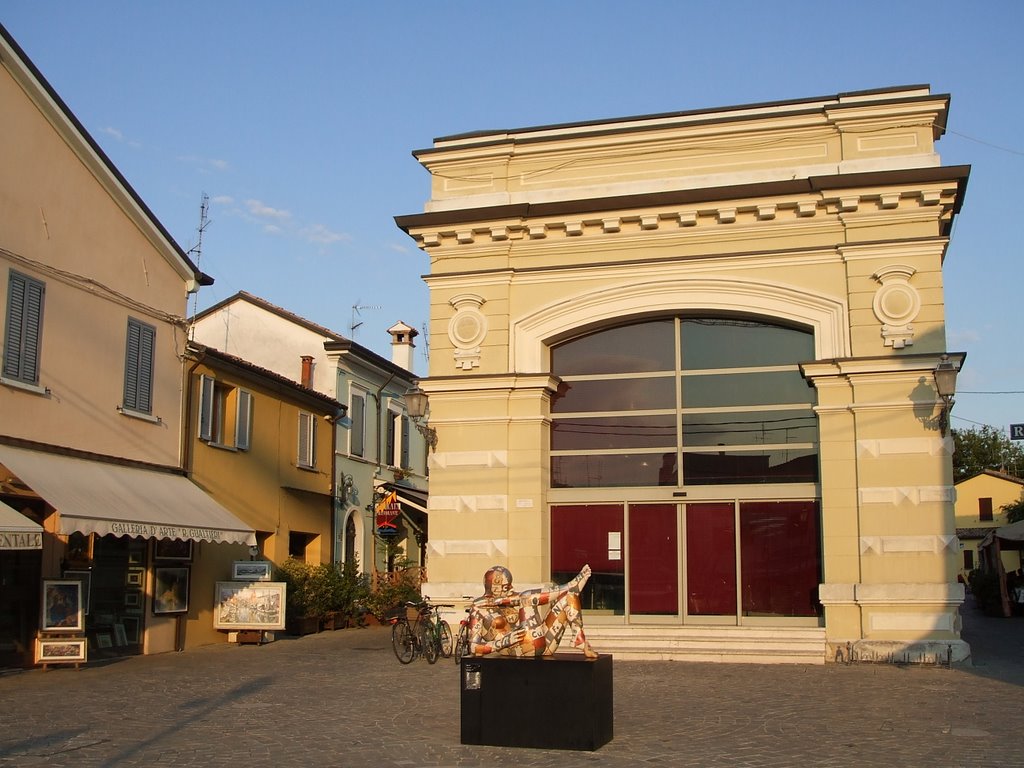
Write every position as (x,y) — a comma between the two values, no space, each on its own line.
(173,549)
(103,640)
(256,605)
(134,577)
(51,651)
(86,578)
(62,609)
(170,589)
(251,570)
(120,635)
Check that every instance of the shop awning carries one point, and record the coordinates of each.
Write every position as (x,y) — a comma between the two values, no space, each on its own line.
(17,531)
(104,498)
(415,499)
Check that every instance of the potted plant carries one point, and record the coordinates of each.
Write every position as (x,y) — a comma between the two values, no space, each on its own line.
(302,616)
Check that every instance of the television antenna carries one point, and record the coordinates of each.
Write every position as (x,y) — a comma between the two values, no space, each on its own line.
(357,313)
(196,251)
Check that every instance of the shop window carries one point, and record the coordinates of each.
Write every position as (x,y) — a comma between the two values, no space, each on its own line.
(684,401)
(23,328)
(591,534)
(985,510)
(225,414)
(138,367)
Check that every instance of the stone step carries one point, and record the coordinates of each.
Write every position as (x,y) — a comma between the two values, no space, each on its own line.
(734,645)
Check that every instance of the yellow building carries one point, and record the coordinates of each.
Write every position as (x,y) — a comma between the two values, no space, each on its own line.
(93,293)
(979,508)
(696,350)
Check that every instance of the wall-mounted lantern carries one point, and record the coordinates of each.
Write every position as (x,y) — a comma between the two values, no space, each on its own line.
(945,386)
(416,406)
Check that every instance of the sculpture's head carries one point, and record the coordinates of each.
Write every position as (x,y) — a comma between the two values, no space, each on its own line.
(497,581)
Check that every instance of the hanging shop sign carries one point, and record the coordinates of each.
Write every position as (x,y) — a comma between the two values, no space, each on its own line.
(388,511)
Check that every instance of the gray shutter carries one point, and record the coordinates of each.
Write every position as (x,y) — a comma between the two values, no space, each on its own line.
(243,421)
(205,408)
(307,427)
(138,367)
(358,428)
(405,443)
(23,328)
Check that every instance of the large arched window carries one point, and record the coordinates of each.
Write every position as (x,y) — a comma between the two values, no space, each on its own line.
(721,398)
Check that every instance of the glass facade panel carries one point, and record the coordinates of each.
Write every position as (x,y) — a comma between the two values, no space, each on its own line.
(723,390)
(647,346)
(614,470)
(749,428)
(734,343)
(584,534)
(786,465)
(607,432)
(780,558)
(645,393)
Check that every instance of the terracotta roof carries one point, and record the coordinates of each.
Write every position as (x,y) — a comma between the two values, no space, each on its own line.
(976,532)
(993,473)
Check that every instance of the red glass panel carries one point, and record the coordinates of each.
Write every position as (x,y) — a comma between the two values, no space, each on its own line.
(780,558)
(579,535)
(653,557)
(710,560)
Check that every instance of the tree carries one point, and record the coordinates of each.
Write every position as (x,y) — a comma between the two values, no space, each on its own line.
(976,450)
(1015,511)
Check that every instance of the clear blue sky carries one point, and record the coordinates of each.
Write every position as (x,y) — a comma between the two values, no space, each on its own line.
(298,120)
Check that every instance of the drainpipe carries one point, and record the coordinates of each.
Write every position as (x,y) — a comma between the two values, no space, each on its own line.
(379,440)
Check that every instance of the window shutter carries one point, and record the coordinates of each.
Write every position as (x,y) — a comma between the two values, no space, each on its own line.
(307,440)
(206,385)
(23,328)
(357,435)
(243,421)
(405,442)
(138,367)
(392,458)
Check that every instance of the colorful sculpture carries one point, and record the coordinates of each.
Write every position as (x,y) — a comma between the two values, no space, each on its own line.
(529,623)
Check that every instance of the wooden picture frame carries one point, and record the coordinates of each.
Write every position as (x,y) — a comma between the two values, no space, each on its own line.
(120,635)
(252,570)
(62,609)
(132,599)
(86,578)
(249,605)
(103,640)
(135,577)
(59,650)
(173,549)
(170,589)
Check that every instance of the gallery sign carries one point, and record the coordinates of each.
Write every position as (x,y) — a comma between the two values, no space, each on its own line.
(1017,431)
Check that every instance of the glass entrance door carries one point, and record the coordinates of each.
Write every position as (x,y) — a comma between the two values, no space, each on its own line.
(711,559)
(653,559)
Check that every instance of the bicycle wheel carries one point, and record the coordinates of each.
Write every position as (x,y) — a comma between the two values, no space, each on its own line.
(428,643)
(445,637)
(403,642)
(462,644)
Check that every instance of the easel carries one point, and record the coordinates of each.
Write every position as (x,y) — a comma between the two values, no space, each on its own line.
(42,637)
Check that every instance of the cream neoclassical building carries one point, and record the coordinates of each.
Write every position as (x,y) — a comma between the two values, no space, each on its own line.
(696,350)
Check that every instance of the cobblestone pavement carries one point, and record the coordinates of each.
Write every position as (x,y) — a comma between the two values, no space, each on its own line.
(341,699)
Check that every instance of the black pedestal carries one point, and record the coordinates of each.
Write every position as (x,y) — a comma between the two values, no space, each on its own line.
(555,702)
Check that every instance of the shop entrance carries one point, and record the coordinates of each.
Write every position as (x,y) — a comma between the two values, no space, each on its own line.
(730,562)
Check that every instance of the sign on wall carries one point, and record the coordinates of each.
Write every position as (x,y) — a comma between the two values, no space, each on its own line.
(1017,431)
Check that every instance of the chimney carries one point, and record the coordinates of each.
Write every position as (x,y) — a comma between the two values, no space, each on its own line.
(307,371)
(402,344)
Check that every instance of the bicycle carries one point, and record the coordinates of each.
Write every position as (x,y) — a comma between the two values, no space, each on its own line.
(409,640)
(462,641)
(438,629)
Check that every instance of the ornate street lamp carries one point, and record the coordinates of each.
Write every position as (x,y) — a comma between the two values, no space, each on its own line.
(945,386)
